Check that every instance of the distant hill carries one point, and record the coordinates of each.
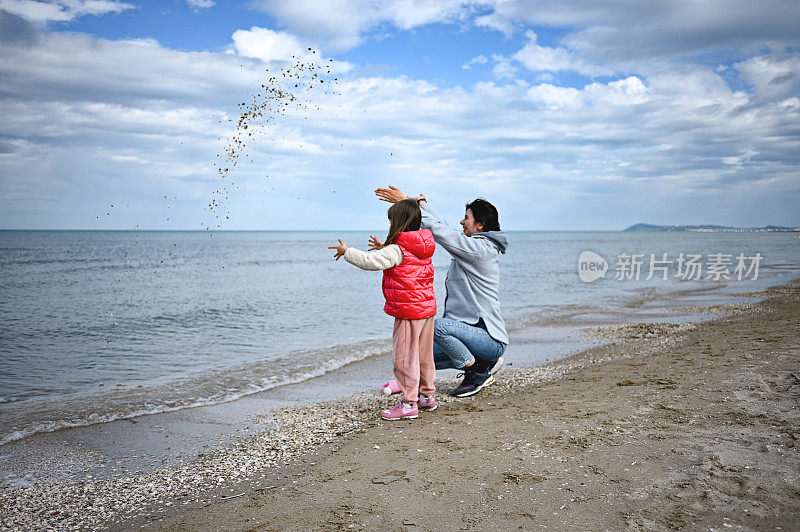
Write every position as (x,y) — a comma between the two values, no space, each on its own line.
(706,228)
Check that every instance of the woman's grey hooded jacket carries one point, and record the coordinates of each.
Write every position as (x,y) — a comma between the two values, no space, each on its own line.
(473,280)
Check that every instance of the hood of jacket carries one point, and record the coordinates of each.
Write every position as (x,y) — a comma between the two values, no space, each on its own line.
(420,243)
(498,238)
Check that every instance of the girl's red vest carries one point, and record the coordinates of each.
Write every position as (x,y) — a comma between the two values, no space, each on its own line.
(408,287)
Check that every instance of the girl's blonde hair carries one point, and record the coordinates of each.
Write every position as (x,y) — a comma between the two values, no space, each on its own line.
(405,215)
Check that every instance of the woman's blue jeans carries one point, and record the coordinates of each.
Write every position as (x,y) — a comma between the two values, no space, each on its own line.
(456,344)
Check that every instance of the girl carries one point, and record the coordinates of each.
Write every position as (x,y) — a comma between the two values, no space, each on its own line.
(405,259)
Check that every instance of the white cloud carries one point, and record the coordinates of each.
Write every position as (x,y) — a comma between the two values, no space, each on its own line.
(495,22)
(337,24)
(555,97)
(479,60)
(129,159)
(503,67)
(628,91)
(77,66)
(62,10)
(623,92)
(201,4)
(774,77)
(341,24)
(740,160)
(538,58)
(267,45)
(625,34)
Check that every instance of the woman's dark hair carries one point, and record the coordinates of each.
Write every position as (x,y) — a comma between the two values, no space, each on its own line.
(404,215)
(485,213)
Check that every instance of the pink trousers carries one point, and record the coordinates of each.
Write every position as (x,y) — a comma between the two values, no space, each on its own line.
(412,347)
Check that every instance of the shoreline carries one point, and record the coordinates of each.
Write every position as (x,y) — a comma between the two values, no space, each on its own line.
(278,454)
(169,439)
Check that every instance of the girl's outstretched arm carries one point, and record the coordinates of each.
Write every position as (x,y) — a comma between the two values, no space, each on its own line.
(383,259)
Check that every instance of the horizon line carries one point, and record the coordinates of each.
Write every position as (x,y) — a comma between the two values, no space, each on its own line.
(294,230)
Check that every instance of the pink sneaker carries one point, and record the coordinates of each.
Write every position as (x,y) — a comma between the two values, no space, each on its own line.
(400,411)
(391,387)
(427,404)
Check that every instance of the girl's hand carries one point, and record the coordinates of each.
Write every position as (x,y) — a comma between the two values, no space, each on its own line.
(340,249)
(374,243)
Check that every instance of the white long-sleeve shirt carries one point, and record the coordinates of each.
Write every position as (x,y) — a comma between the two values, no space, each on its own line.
(381,259)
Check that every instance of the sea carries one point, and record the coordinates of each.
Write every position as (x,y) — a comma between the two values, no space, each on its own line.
(103,325)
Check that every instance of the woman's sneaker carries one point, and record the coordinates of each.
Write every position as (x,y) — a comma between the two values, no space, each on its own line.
(401,411)
(491,366)
(472,383)
(496,366)
(428,404)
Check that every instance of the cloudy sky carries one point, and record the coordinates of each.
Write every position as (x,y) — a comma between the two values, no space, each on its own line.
(573,114)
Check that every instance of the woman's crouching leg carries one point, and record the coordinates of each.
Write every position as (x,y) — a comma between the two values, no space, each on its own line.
(446,333)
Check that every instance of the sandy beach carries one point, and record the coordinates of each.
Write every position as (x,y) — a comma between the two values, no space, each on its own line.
(674,425)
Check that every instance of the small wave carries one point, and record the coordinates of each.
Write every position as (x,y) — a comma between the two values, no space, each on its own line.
(13,481)
(222,387)
(62,261)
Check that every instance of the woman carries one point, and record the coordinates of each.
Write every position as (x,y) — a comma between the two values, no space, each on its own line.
(471,335)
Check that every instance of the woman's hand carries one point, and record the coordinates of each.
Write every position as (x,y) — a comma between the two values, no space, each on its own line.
(391,194)
(394,194)
(374,243)
(340,249)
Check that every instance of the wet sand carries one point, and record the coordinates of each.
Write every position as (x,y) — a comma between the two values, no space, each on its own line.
(678,426)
